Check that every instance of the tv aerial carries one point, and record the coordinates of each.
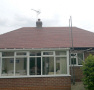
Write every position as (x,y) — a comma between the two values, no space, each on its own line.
(37,12)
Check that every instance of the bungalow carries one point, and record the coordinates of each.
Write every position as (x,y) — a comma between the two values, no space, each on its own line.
(41,58)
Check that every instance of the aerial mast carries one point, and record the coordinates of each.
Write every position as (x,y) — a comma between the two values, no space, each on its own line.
(72,49)
(37,13)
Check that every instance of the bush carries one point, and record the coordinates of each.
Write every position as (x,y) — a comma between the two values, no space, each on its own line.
(88,72)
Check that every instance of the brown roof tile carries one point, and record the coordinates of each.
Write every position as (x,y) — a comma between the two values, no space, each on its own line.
(46,37)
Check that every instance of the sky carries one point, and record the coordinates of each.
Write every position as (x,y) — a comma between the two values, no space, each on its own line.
(15,14)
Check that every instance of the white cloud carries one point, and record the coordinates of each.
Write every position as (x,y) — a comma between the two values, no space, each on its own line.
(17,13)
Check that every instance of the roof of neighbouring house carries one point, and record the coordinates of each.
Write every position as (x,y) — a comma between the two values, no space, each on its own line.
(46,37)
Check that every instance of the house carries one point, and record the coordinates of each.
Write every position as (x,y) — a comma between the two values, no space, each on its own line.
(42,58)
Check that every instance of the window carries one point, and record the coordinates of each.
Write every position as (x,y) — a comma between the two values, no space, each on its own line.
(6,54)
(61,65)
(80,58)
(61,62)
(7,67)
(48,65)
(73,61)
(35,66)
(60,52)
(21,53)
(20,66)
(47,53)
(77,58)
(35,53)
(33,63)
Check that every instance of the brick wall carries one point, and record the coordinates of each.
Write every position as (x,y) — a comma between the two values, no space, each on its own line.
(86,54)
(37,83)
(78,75)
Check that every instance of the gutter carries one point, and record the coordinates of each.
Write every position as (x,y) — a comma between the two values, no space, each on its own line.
(14,49)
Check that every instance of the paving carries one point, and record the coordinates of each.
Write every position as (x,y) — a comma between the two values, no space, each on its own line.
(78,86)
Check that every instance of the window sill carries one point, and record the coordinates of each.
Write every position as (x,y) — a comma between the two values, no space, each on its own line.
(76,65)
(64,75)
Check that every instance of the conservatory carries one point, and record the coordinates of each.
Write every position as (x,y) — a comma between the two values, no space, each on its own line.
(34,63)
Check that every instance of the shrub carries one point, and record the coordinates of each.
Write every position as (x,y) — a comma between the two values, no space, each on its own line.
(88,72)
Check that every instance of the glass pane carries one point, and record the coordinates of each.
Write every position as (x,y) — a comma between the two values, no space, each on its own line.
(80,58)
(73,54)
(61,65)
(48,65)
(32,66)
(35,66)
(35,53)
(7,53)
(60,52)
(47,53)
(21,66)
(7,66)
(21,53)
(73,60)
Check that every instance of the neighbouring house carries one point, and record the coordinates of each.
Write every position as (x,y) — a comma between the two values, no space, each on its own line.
(42,58)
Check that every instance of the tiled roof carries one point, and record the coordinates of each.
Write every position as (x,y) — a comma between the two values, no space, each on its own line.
(46,37)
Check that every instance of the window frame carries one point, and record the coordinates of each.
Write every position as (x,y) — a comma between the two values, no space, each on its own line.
(20,52)
(48,55)
(76,59)
(28,61)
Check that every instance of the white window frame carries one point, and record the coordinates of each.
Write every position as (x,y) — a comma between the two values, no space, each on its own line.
(83,59)
(76,59)
(28,65)
(67,57)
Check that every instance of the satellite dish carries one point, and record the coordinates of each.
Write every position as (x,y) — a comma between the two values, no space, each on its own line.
(37,12)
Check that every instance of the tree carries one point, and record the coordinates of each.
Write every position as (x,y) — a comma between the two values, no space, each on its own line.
(88,72)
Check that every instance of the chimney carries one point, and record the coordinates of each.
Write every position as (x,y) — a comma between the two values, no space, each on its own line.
(38,24)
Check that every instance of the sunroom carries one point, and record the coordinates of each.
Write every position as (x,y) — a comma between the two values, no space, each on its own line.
(34,63)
